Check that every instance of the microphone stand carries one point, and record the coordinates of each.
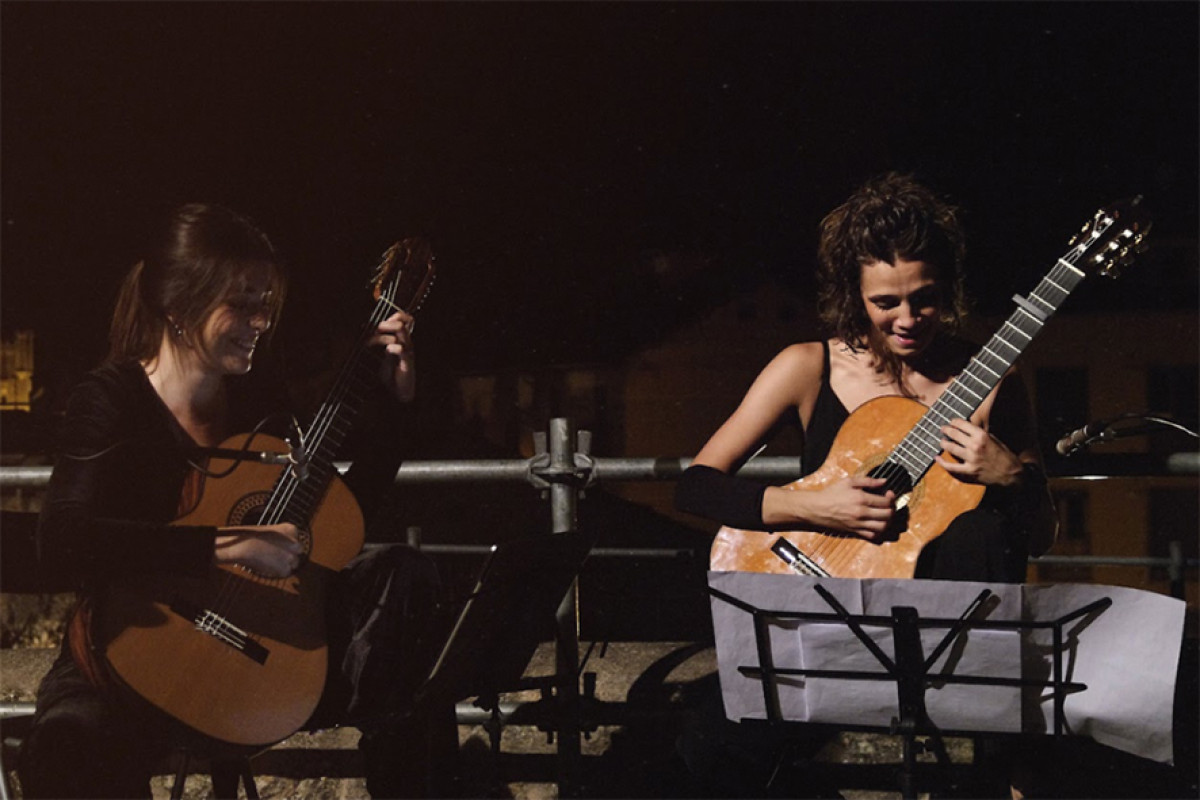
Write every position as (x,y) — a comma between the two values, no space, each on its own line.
(261,456)
(1145,425)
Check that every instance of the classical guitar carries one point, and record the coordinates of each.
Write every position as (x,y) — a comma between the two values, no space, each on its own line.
(238,657)
(898,438)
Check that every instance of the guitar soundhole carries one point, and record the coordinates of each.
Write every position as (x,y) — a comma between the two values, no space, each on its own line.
(898,481)
(249,511)
(897,477)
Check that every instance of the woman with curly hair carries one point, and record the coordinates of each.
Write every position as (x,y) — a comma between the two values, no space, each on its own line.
(891,294)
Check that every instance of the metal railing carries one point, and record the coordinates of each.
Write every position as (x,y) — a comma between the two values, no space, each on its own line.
(563,466)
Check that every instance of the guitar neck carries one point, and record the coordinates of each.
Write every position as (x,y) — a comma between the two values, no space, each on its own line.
(299,490)
(964,395)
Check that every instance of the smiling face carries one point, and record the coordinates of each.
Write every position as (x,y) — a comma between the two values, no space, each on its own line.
(903,300)
(230,333)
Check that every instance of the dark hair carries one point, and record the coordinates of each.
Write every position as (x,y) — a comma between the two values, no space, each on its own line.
(890,216)
(191,267)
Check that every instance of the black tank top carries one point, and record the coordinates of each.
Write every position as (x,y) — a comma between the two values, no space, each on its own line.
(827,418)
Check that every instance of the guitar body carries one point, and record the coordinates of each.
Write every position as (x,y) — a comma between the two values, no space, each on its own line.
(864,441)
(254,690)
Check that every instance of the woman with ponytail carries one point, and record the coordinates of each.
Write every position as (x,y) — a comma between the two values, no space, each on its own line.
(189,319)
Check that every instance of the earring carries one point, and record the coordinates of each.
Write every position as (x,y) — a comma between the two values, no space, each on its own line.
(175,327)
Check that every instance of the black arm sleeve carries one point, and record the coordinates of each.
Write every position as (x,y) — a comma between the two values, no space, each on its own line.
(721,497)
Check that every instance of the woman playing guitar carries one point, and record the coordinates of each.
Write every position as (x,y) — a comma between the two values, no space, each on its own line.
(891,292)
(188,321)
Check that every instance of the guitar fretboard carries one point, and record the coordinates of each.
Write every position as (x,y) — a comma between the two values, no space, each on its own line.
(916,452)
(299,490)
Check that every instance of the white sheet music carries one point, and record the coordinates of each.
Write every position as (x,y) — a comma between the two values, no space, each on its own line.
(1126,655)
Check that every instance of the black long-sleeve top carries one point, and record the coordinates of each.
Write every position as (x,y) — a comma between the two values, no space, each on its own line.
(122,463)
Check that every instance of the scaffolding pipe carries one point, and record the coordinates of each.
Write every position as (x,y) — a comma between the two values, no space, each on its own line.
(565,480)
(774,468)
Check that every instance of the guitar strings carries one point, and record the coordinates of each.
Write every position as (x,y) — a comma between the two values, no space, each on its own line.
(329,412)
(324,421)
(289,483)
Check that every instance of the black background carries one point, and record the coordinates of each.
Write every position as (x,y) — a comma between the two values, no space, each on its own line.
(590,174)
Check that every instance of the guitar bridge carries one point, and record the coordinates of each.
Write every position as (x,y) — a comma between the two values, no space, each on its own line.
(221,629)
(792,556)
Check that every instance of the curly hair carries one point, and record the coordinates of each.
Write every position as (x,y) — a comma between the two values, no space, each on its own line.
(890,216)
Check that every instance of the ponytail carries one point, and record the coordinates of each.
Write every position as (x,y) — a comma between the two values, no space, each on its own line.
(136,328)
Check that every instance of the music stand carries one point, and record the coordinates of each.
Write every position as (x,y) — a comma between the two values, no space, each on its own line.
(499,627)
(908,667)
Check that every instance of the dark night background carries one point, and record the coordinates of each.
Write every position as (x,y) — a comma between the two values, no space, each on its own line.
(551,150)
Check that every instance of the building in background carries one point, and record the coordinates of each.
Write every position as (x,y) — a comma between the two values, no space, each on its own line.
(16,372)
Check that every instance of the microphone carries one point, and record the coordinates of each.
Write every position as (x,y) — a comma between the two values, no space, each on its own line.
(1078,439)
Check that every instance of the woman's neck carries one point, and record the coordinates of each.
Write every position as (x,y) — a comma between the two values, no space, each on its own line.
(865,371)
(194,394)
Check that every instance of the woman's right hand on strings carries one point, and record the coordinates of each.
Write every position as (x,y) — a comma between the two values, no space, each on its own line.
(273,551)
(852,505)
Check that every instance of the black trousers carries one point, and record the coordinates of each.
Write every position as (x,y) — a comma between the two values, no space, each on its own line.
(383,635)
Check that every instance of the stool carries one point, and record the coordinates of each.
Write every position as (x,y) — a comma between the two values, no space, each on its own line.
(227,774)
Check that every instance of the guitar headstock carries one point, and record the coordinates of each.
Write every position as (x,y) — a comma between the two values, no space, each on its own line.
(405,274)
(1111,239)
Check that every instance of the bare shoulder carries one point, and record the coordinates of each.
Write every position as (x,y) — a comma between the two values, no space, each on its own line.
(795,375)
(789,381)
(804,361)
